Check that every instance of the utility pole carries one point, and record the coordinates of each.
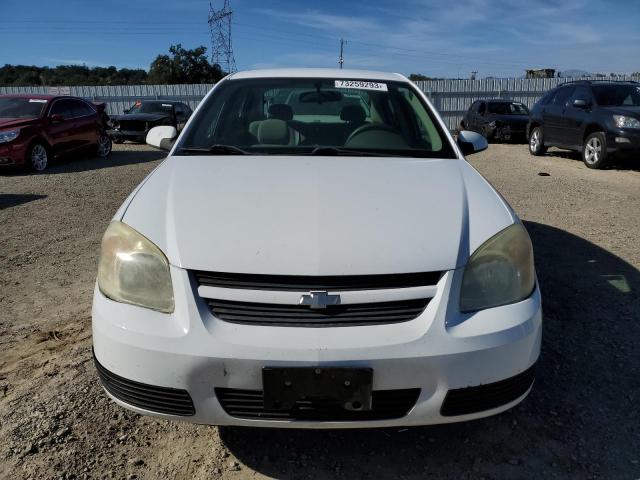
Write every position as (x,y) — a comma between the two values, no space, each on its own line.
(341,59)
(220,30)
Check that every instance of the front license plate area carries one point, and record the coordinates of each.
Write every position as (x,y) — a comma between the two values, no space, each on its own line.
(349,388)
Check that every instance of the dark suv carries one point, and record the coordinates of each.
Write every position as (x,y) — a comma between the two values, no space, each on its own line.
(599,118)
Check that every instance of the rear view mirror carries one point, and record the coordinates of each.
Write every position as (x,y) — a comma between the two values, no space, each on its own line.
(471,142)
(579,103)
(162,137)
(320,96)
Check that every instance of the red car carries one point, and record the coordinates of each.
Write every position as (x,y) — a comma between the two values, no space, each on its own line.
(34,129)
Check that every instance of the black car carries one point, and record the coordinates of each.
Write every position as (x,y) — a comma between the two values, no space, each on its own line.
(497,119)
(146,114)
(601,119)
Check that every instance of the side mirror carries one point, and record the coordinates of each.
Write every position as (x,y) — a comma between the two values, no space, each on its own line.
(579,103)
(162,137)
(56,118)
(471,142)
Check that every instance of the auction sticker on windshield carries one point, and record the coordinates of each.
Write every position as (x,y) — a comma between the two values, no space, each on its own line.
(360,85)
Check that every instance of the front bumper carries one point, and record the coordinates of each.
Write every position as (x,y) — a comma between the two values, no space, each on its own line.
(131,135)
(12,154)
(626,141)
(438,352)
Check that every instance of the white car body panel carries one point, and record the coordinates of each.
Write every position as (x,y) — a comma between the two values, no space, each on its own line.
(309,215)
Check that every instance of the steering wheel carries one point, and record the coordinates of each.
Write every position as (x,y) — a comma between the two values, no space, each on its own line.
(386,133)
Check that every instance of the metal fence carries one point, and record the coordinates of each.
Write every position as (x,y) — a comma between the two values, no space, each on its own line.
(451,97)
(121,97)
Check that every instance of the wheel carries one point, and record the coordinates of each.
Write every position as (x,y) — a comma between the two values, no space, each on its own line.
(104,146)
(594,150)
(38,157)
(536,142)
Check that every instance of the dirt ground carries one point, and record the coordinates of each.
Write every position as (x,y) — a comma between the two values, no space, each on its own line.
(582,419)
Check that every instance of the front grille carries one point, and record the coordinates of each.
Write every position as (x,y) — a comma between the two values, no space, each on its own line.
(133,125)
(463,401)
(302,316)
(386,404)
(171,401)
(304,283)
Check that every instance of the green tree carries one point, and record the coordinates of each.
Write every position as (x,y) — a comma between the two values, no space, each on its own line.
(184,66)
(416,77)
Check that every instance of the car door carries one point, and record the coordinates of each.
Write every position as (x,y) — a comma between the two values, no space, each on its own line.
(576,117)
(61,128)
(553,116)
(85,118)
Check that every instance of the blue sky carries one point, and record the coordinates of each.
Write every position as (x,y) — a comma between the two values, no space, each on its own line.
(444,38)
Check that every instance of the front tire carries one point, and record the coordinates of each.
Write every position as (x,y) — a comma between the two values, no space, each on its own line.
(38,157)
(594,151)
(536,142)
(104,146)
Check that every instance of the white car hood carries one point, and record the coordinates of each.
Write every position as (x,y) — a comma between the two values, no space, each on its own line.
(299,215)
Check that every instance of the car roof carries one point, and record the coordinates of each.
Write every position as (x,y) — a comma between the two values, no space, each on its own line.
(31,95)
(149,100)
(318,73)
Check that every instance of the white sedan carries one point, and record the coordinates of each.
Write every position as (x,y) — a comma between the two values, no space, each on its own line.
(315,252)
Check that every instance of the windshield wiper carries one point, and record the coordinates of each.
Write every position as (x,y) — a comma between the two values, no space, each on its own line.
(217,149)
(332,151)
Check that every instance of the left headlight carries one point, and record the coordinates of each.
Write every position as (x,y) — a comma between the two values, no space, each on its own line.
(133,270)
(499,272)
(621,121)
(9,135)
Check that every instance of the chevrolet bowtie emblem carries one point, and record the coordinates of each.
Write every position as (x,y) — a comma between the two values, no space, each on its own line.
(319,299)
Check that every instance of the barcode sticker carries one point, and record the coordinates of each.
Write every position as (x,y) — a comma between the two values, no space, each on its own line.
(361,85)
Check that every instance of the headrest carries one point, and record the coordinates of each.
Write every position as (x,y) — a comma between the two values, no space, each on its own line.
(281,112)
(273,131)
(353,113)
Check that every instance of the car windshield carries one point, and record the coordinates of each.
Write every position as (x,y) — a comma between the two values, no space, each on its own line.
(617,95)
(316,115)
(21,107)
(508,108)
(151,107)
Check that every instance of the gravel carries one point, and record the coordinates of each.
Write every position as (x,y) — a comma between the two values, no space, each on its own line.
(582,419)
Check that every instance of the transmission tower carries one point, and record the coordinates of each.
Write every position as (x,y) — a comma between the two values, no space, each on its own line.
(220,29)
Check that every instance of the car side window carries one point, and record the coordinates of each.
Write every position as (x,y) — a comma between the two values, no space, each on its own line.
(562,95)
(62,107)
(81,109)
(482,108)
(581,93)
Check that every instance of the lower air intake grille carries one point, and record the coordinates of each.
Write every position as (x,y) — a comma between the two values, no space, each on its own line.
(171,401)
(302,316)
(386,404)
(463,401)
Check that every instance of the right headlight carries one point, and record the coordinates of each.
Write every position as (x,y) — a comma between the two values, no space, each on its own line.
(9,135)
(499,272)
(621,121)
(133,270)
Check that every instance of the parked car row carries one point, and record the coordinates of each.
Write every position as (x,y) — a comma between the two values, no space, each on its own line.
(600,119)
(36,129)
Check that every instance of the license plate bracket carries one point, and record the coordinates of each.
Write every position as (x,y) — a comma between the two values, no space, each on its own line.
(349,388)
